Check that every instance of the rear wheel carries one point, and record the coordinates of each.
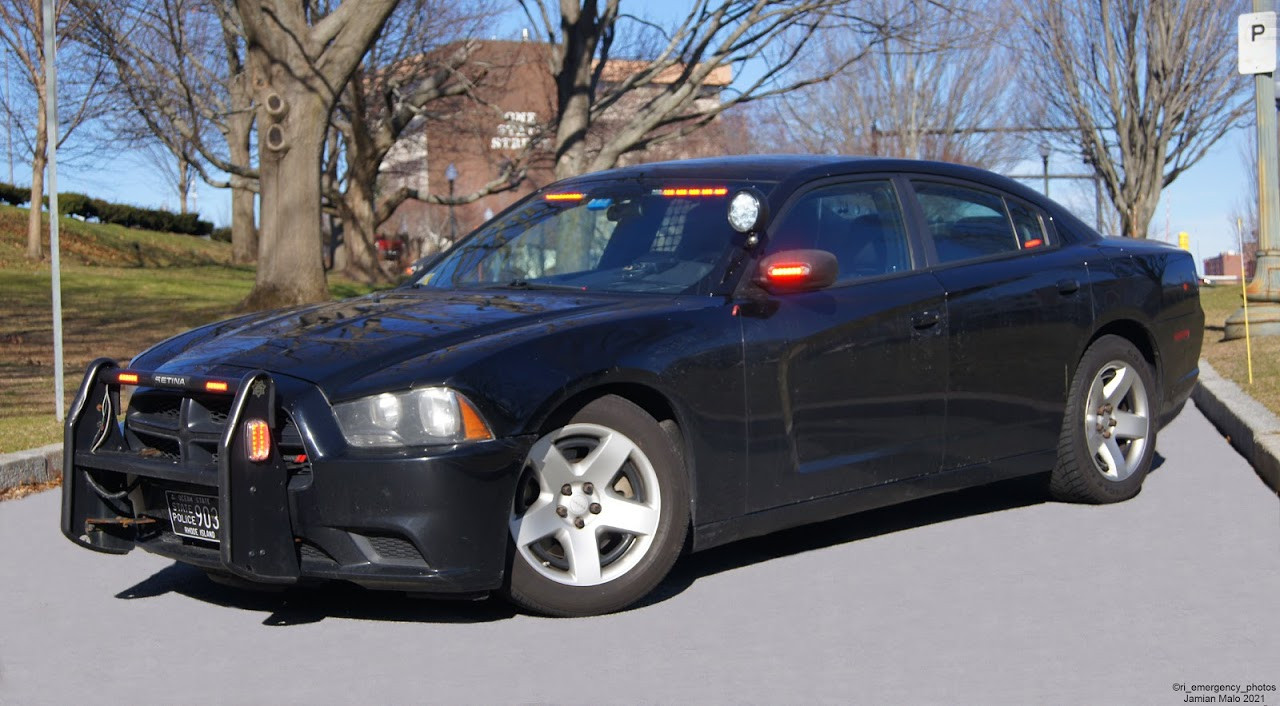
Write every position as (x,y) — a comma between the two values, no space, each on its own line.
(600,513)
(1109,434)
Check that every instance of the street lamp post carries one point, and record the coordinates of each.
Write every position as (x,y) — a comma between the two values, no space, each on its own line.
(451,175)
(1044,160)
(1263,290)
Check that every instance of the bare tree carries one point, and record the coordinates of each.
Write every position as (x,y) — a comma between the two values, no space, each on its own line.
(1148,86)
(665,94)
(181,66)
(938,89)
(81,97)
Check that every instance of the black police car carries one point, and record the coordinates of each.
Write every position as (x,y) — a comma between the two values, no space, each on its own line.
(631,363)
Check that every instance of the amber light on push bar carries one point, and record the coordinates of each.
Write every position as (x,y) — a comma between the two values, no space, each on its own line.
(565,197)
(215,386)
(258,436)
(127,378)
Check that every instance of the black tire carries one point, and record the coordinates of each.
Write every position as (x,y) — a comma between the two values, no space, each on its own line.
(549,587)
(1081,475)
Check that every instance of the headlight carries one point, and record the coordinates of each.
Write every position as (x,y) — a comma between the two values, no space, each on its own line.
(431,415)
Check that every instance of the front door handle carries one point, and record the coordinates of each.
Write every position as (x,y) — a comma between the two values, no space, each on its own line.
(925,319)
(1068,286)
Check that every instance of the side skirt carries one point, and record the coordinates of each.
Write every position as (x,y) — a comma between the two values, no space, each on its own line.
(830,507)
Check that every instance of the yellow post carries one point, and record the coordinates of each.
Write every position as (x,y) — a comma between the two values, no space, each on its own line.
(1248,346)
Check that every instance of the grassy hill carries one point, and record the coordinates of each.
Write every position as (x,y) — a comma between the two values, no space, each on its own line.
(97,244)
(122,290)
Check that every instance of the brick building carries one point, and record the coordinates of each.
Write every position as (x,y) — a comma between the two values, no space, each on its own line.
(1227,264)
(480,139)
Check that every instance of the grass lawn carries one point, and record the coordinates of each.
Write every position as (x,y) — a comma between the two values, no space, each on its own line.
(128,299)
(1228,357)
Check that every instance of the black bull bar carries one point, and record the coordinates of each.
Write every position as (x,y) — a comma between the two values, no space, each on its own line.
(256,537)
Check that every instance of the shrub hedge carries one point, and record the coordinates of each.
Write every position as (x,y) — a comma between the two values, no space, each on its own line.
(73,204)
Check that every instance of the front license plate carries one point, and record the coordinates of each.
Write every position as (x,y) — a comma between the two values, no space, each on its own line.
(194,516)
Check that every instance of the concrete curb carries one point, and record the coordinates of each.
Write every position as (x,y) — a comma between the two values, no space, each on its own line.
(31,466)
(1253,430)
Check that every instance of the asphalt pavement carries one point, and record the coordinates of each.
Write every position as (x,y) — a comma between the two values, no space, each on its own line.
(991,596)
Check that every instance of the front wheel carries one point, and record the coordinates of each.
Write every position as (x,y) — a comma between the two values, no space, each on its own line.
(600,513)
(1109,432)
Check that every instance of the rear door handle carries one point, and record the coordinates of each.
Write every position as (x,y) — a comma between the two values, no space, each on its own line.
(1068,286)
(925,319)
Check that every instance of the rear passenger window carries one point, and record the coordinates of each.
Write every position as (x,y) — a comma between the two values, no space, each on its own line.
(860,223)
(965,223)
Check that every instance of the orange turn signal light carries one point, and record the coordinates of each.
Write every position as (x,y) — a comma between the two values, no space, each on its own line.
(127,378)
(258,436)
(473,426)
(215,386)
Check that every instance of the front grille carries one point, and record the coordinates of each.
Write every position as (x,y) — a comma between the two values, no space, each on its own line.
(186,429)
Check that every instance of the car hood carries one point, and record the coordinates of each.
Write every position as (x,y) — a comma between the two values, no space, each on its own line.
(336,343)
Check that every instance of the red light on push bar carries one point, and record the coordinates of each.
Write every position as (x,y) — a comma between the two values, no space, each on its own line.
(127,378)
(789,271)
(258,436)
(215,386)
(1182,334)
(684,191)
(564,197)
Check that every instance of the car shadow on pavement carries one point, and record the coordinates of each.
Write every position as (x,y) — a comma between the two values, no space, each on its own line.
(301,605)
(996,497)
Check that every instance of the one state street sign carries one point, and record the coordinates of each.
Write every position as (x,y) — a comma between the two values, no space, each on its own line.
(1257,39)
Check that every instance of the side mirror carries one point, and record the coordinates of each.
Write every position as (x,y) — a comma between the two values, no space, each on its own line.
(798,271)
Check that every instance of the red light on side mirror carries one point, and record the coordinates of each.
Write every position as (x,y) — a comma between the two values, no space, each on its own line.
(258,439)
(798,271)
(788,272)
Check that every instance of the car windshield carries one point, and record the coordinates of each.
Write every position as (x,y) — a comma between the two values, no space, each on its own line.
(633,236)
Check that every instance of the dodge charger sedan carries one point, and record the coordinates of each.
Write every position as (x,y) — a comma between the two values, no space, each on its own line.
(642,362)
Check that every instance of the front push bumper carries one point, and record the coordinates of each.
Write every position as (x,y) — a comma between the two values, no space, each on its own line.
(430,520)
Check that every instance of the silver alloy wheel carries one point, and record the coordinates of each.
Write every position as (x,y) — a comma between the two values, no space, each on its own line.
(1117,420)
(587,507)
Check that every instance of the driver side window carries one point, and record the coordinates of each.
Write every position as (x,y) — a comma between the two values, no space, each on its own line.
(860,223)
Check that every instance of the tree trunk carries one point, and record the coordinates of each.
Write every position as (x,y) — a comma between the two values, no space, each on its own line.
(184,171)
(244,232)
(360,233)
(290,262)
(35,229)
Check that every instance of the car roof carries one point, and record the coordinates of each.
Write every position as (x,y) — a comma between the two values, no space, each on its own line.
(797,168)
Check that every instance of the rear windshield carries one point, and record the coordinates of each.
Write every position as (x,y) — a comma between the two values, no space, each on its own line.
(624,237)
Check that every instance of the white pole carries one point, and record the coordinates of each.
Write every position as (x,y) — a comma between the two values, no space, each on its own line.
(51,111)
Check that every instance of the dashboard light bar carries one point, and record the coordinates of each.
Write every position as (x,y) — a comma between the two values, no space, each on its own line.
(127,378)
(565,197)
(685,191)
(215,386)
(258,436)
